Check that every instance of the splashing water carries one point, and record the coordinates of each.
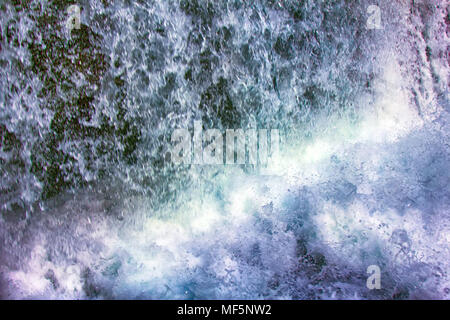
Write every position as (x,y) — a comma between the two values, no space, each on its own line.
(94,208)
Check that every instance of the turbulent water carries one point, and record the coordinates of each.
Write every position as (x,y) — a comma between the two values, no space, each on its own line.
(93,207)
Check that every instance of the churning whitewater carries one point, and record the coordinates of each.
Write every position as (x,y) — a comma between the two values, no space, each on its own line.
(94,204)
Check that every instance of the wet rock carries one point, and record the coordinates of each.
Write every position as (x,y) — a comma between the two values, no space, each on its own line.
(50,276)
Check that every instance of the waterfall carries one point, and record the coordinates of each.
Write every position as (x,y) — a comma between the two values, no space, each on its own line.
(97,201)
